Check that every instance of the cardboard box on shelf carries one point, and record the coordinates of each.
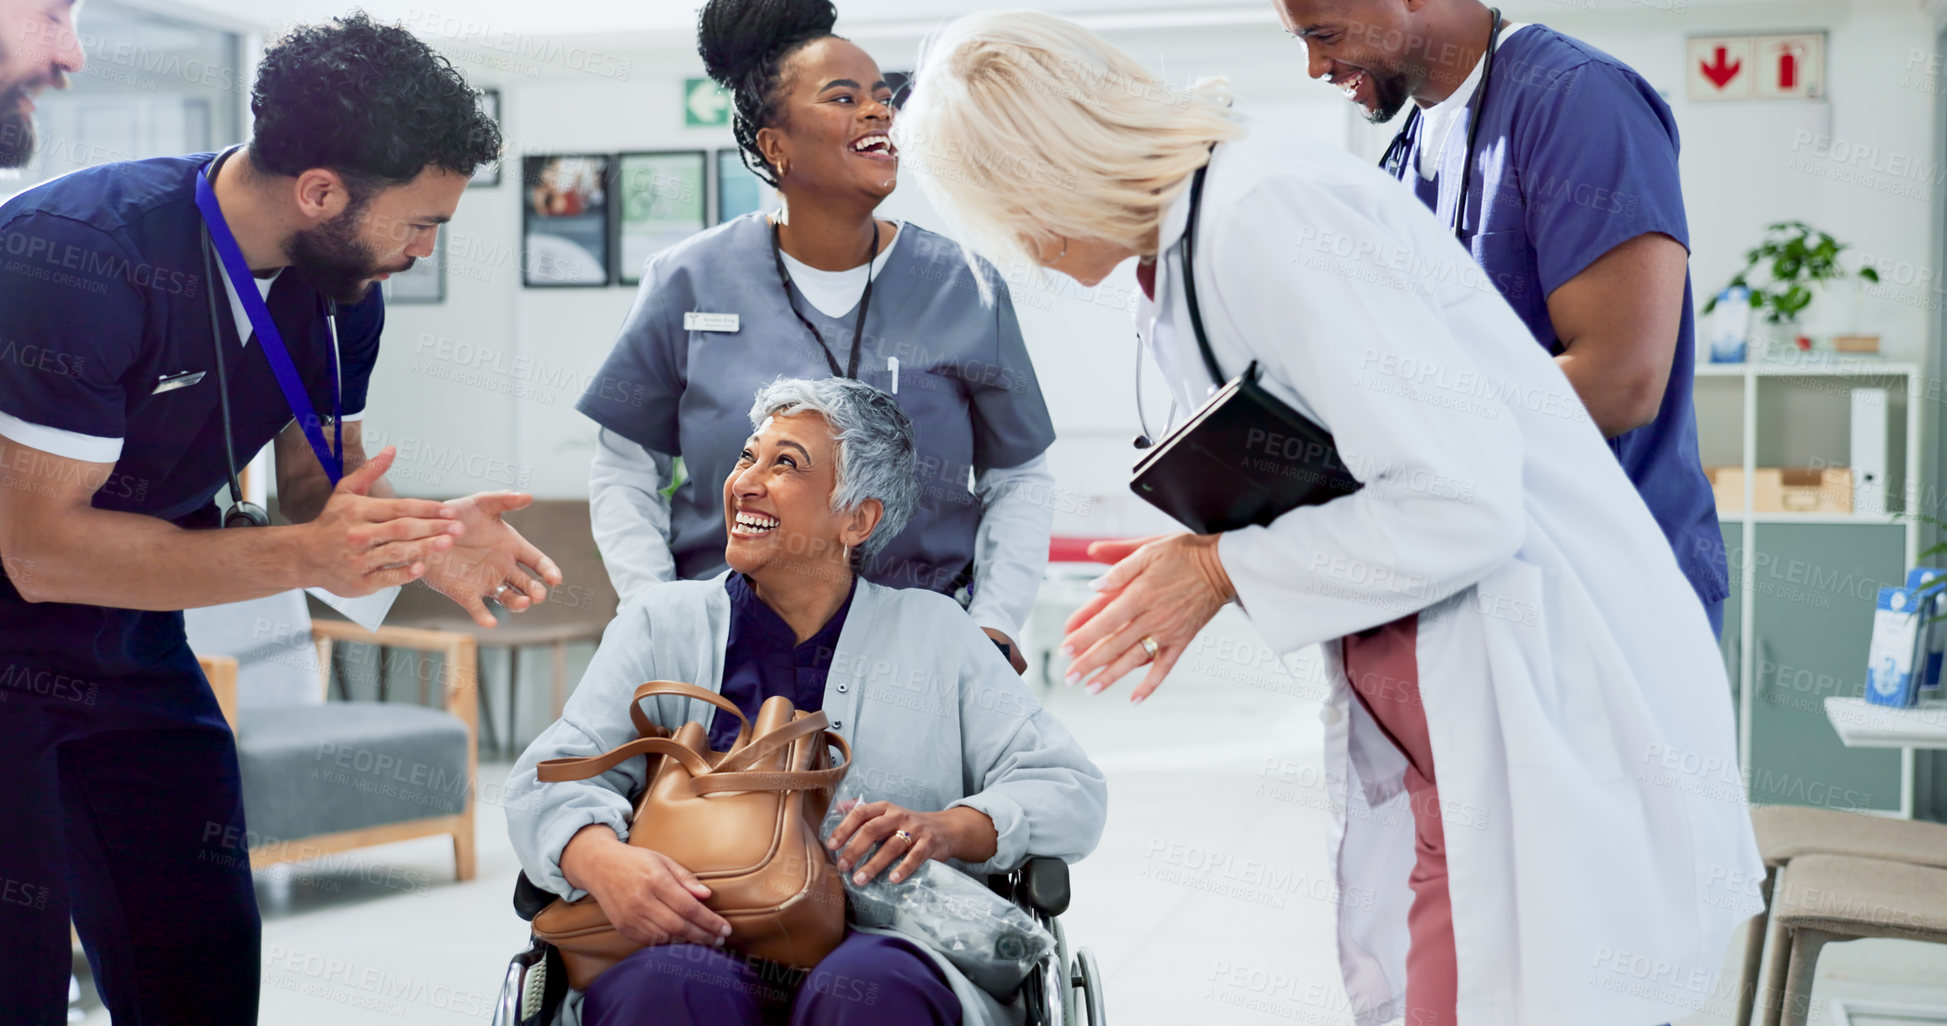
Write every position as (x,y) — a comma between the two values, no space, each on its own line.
(1727,484)
(1801,490)
(1783,489)
(1855,343)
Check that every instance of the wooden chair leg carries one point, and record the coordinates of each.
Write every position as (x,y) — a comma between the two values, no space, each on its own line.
(463,846)
(488,731)
(1747,981)
(461,672)
(560,677)
(1772,994)
(513,700)
(1804,967)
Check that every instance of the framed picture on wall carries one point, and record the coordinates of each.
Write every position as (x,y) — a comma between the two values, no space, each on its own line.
(488,174)
(424,281)
(738,191)
(661,199)
(565,219)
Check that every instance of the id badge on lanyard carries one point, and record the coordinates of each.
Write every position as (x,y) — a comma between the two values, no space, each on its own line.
(234,268)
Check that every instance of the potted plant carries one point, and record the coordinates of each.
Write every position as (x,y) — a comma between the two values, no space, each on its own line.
(1789,261)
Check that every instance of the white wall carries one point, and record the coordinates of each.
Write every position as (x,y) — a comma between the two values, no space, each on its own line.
(1860,165)
(488,379)
(1744,165)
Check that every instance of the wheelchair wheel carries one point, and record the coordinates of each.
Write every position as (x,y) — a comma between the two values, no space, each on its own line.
(1087,979)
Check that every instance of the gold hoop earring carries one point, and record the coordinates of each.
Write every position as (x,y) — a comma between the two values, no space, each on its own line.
(1060,255)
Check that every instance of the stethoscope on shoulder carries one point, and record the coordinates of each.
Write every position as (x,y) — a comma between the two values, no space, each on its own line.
(219,244)
(1394,164)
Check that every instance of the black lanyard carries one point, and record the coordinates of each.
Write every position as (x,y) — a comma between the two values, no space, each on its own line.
(865,303)
(1394,162)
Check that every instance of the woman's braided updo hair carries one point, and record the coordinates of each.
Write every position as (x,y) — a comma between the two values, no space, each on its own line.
(744,44)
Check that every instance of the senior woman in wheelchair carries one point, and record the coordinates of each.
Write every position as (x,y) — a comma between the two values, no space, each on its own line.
(955,759)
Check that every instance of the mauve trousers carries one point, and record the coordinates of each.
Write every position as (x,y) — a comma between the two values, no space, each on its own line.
(1384,671)
(867,980)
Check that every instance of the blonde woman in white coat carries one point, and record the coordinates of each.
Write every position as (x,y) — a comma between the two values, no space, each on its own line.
(1514,654)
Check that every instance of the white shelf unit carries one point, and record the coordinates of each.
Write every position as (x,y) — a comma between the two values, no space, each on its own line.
(1904,382)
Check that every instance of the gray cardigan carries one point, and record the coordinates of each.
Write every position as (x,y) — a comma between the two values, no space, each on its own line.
(934,714)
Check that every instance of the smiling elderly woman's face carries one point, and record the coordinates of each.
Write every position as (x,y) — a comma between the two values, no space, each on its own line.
(777,501)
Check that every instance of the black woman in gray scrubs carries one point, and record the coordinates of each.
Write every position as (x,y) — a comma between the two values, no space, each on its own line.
(822,288)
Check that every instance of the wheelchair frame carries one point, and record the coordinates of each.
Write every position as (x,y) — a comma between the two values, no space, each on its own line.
(1064,990)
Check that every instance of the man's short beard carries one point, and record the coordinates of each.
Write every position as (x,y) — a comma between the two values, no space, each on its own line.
(333,258)
(16,130)
(1391,94)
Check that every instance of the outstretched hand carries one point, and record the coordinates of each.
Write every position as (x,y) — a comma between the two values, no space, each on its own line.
(359,544)
(1164,589)
(491,560)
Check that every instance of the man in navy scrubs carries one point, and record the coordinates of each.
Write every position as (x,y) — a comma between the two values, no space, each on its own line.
(1573,207)
(38,49)
(123,808)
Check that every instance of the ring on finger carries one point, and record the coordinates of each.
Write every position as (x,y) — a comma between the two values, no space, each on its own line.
(904,836)
(1149,645)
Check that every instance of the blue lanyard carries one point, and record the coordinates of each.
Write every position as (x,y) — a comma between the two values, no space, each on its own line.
(331,458)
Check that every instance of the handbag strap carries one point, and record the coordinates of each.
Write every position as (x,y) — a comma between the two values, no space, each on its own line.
(552,771)
(681,690)
(728,775)
(794,780)
(770,742)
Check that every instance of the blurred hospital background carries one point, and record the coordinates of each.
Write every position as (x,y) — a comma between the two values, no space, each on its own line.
(1209,899)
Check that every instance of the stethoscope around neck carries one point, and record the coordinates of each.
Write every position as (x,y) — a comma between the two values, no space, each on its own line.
(1148,437)
(1394,162)
(243,513)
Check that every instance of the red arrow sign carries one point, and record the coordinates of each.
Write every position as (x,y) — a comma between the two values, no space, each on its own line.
(1721,73)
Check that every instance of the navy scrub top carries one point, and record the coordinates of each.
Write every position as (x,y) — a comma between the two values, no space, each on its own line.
(102,282)
(763,658)
(1577,154)
(964,379)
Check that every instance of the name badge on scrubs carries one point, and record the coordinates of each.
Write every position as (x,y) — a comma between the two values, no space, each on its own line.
(694,321)
(171,382)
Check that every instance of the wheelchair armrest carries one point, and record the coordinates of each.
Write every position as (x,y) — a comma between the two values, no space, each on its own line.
(1042,885)
(529,898)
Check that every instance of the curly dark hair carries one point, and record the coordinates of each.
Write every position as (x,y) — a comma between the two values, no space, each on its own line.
(744,44)
(368,101)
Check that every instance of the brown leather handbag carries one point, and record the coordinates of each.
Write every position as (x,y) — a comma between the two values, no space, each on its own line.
(744,821)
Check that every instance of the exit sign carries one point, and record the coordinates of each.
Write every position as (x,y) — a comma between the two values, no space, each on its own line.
(1775,67)
(705,104)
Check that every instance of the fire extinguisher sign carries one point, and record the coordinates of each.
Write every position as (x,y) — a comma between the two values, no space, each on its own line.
(1774,67)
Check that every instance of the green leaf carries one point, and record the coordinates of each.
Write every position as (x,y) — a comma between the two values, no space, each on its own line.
(1869,274)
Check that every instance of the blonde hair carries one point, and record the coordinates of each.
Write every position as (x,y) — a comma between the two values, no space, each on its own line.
(1024,127)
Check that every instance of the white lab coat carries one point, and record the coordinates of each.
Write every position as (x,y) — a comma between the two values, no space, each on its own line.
(1598,843)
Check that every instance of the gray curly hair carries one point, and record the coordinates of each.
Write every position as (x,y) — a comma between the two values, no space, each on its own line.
(874,439)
